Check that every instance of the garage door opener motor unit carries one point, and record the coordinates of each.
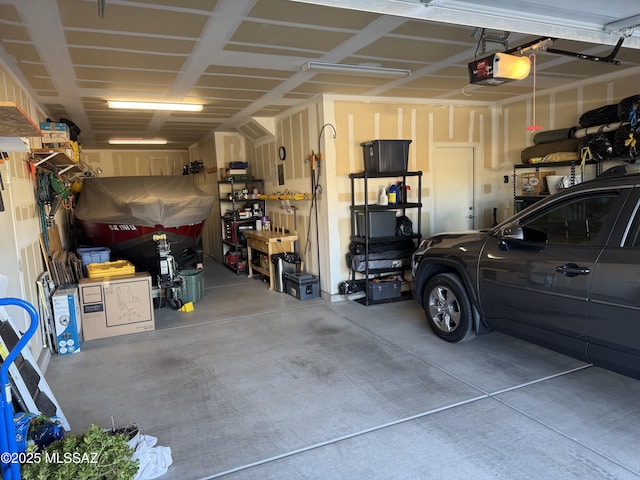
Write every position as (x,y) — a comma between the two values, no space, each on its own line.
(499,68)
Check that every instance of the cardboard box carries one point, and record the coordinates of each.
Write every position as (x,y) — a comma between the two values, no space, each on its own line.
(55,132)
(66,317)
(55,137)
(534,183)
(116,306)
(54,127)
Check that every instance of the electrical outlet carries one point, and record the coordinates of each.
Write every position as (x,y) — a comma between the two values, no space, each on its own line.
(506,179)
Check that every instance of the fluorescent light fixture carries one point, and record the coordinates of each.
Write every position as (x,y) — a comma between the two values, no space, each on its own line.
(363,70)
(182,107)
(137,141)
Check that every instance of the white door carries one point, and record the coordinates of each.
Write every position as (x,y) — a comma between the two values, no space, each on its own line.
(453,181)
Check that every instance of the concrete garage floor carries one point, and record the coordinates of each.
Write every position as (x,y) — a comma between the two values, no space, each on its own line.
(255,384)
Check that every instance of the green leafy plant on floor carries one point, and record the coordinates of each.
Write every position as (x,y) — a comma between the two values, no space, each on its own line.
(93,455)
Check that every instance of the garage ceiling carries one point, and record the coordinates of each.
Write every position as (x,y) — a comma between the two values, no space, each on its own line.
(243,58)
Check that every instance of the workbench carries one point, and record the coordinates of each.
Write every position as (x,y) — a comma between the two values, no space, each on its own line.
(269,243)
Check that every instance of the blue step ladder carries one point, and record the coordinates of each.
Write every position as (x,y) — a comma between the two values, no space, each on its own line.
(11,470)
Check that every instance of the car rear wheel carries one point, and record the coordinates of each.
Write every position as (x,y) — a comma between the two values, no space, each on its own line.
(448,309)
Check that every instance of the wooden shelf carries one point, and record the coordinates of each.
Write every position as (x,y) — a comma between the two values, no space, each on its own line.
(14,122)
(269,243)
(385,174)
(284,196)
(58,159)
(566,163)
(377,208)
(260,270)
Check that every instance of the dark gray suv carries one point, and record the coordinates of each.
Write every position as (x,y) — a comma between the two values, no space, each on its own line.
(563,273)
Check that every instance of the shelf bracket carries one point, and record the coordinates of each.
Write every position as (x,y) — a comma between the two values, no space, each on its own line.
(66,169)
(45,159)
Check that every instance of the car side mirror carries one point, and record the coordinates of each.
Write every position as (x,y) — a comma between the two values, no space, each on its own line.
(508,235)
(512,232)
(514,236)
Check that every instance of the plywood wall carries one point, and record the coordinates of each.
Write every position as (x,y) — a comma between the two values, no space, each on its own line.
(560,108)
(122,163)
(216,151)
(426,125)
(20,256)
(205,151)
(356,120)
(297,132)
(556,109)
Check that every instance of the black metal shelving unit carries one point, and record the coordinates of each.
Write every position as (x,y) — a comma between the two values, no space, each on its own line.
(232,197)
(364,208)
(526,200)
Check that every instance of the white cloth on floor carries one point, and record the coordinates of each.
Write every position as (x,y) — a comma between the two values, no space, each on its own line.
(154,460)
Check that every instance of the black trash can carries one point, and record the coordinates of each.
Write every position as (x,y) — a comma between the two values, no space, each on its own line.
(287,262)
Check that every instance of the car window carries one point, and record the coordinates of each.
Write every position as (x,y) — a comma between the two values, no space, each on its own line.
(575,221)
(632,239)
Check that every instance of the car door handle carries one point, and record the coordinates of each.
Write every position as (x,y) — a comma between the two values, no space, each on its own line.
(572,270)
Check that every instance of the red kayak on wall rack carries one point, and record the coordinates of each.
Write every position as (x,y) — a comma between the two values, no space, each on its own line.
(124,213)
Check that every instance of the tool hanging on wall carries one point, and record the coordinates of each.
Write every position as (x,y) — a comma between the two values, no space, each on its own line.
(61,194)
(3,155)
(54,192)
(51,193)
(314,160)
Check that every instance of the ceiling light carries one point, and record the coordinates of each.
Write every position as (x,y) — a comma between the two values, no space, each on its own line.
(182,107)
(364,70)
(137,141)
(499,68)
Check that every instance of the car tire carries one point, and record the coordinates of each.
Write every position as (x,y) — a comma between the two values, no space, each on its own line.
(448,309)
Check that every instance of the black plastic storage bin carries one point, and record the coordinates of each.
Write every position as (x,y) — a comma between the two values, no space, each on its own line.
(381,224)
(386,155)
(301,285)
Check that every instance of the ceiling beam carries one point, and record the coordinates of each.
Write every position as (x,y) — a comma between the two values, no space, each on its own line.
(624,24)
(42,21)
(373,31)
(533,22)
